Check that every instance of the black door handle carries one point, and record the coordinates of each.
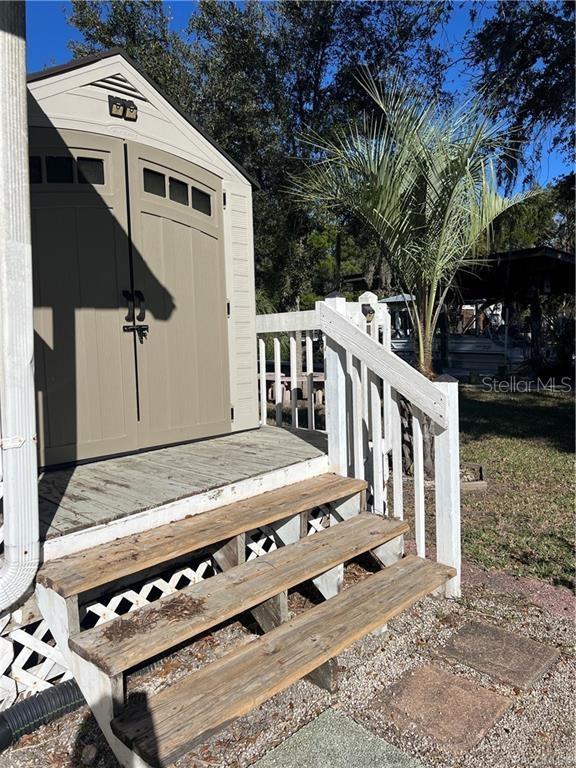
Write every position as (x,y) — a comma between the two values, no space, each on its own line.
(141,306)
(128,295)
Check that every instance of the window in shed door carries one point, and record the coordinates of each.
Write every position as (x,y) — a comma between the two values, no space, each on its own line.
(154,183)
(90,170)
(35,169)
(59,170)
(178,191)
(201,201)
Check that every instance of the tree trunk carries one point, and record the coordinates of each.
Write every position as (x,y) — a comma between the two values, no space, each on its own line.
(425,366)
(425,345)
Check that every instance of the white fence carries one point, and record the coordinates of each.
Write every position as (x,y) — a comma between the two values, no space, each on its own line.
(364,381)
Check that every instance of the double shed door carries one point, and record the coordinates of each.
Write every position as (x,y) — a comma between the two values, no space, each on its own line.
(107,260)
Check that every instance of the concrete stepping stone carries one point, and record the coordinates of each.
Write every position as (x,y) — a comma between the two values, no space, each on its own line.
(452,711)
(505,656)
(334,740)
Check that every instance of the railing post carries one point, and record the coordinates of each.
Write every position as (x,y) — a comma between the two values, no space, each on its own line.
(262,377)
(370,300)
(447,473)
(335,391)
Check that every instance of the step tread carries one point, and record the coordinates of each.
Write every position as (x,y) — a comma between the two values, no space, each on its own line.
(91,568)
(122,643)
(173,721)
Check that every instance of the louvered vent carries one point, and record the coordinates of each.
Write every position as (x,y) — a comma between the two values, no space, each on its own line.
(118,84)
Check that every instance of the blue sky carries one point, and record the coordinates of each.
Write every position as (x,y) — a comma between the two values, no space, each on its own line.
(48,34)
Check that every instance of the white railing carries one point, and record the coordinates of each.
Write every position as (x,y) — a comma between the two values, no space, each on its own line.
(364,383)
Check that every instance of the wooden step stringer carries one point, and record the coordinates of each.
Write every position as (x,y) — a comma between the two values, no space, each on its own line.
(275,611)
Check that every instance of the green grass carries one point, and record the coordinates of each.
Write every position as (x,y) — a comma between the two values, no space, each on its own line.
(524,522)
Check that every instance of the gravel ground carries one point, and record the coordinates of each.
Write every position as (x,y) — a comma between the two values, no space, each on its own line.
(536,732)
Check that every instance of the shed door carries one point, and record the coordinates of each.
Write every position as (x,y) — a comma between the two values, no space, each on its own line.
(179,287)
(85,375)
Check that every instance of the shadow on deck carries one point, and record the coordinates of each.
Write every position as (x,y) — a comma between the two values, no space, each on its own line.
(76,498)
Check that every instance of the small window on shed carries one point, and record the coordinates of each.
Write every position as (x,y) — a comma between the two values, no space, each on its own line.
(59,170)
(154,183)
(201,201)
(178,191)
(90,170)
(35,169)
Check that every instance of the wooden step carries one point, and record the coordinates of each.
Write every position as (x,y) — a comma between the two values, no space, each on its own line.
(106,563)
(173,721)
(122,643)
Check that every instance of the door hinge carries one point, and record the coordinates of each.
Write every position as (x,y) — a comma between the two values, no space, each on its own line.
(227,307)
(232,413)
(223,199)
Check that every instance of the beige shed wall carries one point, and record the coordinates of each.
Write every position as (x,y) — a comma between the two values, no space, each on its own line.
(70,100)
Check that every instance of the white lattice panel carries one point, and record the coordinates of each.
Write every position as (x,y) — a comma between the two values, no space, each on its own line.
(148,592)
(260,542)
(318,520)
(29,662)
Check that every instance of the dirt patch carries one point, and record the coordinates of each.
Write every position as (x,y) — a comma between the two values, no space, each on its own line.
(175,608)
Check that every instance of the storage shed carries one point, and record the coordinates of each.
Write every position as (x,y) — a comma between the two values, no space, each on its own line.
(143,268)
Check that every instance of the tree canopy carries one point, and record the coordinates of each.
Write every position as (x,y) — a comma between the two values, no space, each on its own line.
(525,54)
(258,75)
(420,175)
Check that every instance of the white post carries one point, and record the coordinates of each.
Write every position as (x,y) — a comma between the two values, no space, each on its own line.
(294,379)
(375,399)
(18,419)
(447,472)
(262,372)
(335,386)
(419,498)
(277,381)
(310,378)
(387,393)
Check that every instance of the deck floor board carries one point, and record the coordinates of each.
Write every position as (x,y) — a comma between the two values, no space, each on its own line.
(76,498)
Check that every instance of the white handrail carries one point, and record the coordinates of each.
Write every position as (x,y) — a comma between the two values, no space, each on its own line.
(385,364)
(364,386)
(286,322)
(388,366)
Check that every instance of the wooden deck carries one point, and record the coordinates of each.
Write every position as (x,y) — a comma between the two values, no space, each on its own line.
(93,494)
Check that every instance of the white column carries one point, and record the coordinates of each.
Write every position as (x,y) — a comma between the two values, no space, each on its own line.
(18,421)
(335,396)
(447,472)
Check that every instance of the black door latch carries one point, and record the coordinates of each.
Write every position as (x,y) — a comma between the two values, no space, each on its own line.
(141,330)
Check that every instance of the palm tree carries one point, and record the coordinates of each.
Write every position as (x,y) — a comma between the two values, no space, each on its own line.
(421,175)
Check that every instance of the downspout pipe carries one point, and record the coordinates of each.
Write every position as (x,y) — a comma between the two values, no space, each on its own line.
(17,406)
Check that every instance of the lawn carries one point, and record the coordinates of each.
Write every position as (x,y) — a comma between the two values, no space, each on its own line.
(524,522)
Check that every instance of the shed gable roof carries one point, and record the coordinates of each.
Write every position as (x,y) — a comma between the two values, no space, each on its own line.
(120,82)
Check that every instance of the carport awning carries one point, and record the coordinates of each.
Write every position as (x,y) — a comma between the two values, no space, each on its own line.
(519,276)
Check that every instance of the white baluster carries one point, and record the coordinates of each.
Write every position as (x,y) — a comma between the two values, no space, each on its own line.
(293,379)
(278,381)
(396,432)
(357,419)
(419,506)
(335,393)
(377,457)
(310,378)
(262,363)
